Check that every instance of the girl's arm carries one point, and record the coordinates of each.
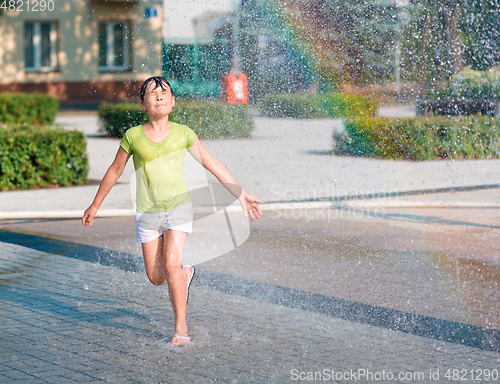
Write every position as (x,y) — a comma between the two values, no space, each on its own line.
(112,175)
(219,170)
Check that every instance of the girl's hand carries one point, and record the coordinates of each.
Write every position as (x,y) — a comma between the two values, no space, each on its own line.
(249,204)
(88,216)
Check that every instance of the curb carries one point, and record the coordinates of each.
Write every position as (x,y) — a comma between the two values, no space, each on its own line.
(63,214)
(413,204)
(358,204)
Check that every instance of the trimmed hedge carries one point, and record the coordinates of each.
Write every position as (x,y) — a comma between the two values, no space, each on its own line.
(319,106)
(214,120)
(117,118)
(32,157)
(475,137)
(27,108)
(454,107)
(471,84)
(207,120)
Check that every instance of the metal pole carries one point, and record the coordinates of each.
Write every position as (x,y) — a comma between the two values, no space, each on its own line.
(398,65)
(236,62)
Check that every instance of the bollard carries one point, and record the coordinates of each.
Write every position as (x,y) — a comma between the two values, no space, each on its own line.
(235,88)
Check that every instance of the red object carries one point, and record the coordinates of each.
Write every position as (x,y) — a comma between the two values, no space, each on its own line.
(235,88)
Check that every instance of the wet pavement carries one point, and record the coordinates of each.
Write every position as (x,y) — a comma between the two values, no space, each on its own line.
(412,294)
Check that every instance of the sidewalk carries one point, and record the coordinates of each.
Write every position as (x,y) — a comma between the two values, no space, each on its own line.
(284,162)
(299,298)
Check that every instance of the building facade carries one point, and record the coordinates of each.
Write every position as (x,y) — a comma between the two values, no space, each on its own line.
(80,51)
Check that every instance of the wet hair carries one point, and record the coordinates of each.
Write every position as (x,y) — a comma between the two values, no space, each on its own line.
(159,81)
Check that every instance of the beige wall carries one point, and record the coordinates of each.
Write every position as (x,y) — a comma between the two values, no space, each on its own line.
(78,46)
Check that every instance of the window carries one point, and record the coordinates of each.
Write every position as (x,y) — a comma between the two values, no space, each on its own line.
(114,44)
(40,46)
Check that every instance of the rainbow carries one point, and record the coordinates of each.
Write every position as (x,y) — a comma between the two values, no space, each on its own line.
(306,30)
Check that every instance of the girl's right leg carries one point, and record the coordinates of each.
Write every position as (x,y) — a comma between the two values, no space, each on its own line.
(163,262)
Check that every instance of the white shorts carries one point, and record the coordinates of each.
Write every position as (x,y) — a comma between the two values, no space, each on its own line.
(151,225)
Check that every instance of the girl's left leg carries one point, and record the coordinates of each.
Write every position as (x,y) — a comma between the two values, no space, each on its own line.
(173,243)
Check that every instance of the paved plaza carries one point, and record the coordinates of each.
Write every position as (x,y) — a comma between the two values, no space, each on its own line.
(381,287)
(372,293)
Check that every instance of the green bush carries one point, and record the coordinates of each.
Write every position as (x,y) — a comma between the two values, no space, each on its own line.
(207,120)
(471,84)
(32,157)
(319,106)
(214,120)
(117,118)
(420,138)
(27,108)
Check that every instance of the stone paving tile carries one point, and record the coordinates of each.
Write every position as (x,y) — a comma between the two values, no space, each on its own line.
(4,367)
(17,375)
(6,379)
(43,372)
(57,380)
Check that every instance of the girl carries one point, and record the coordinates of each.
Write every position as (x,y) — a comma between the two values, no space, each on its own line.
(164,210)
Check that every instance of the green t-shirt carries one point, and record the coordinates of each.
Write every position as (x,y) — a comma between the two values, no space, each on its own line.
(159,167)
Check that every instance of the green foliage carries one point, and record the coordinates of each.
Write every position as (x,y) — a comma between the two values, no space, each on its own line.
(425,51)
(481,28)
(214,120)
(328,80)
(420,138)
(27,108)
(321,106)
(32,157)
(442,36)
(207,120)
(117,118)
(471,84)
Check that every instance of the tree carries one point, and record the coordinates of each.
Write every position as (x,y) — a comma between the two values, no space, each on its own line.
(481,30)
(443,36)
(434,42)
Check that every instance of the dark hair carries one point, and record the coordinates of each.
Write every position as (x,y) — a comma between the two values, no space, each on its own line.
(159,81)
